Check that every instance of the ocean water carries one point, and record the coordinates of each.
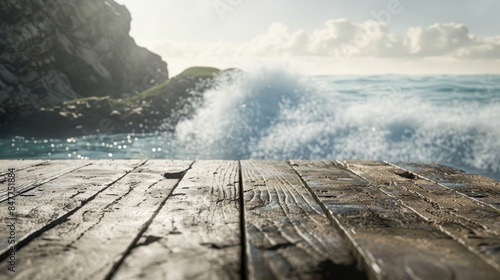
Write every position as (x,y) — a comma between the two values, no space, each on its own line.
(278,113)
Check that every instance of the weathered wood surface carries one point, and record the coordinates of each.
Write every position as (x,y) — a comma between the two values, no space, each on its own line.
(474,186)
(51,203)
(104,229)
(161,219)
(196,234)
(392,240)
(32,176)
(288,234)
(17,164)
(473,224)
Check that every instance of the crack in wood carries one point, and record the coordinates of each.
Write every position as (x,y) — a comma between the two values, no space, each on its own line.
(450,222)
(288,231)
(218,246)
(277,247)
(134,244)
(32,185)
(178,194)
(407,175)
(76,194)
(23,168)
(177,174)
(149,240)
(21,243)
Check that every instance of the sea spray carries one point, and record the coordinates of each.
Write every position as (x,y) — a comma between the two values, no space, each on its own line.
(238,111)
(274,112)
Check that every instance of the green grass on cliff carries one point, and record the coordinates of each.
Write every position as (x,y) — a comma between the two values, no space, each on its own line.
(147,93)
(83,100)
(197,72)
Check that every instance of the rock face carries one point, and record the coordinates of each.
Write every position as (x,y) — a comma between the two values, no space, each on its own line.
(156,109)
(53,51)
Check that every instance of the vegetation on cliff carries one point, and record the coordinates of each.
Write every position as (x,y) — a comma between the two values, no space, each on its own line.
(158,108)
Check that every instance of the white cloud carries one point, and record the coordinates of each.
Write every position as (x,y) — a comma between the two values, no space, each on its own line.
(340,38)
(451,39)
(343,47)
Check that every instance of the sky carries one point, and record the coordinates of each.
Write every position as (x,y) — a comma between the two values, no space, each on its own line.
(323,36)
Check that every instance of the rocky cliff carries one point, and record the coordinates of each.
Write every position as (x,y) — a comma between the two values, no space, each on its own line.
(53,51)
(158,108)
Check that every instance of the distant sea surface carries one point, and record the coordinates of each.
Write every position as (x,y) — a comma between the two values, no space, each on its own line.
(276,113)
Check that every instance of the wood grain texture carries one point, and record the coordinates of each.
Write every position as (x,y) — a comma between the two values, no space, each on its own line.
(471,223)
(477,187)
(288,234)
(301,220)
(51,202)
(33,176)
(392,240)
(17,164)
(92,241)
(196,235)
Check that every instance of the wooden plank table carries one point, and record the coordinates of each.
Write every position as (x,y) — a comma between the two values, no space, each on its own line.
(251,219)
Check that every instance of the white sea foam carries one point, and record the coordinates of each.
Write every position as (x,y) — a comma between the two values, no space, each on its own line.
(275,113)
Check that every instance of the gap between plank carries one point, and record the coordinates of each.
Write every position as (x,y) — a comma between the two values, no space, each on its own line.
(243,235)
(26,167)
(437,183)
(63,218)
(36,185)
(144,228)
(431,221)
(440,228)
(360,256)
